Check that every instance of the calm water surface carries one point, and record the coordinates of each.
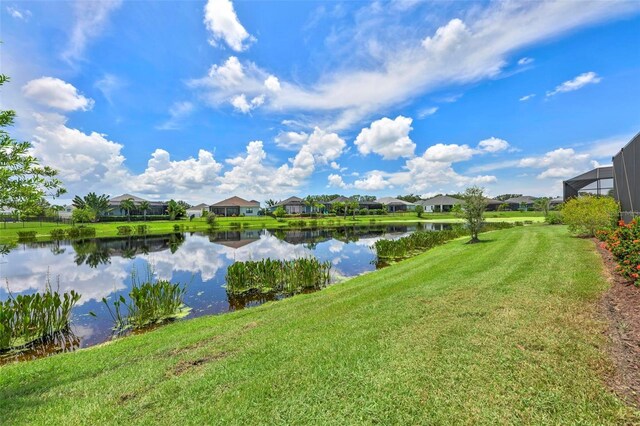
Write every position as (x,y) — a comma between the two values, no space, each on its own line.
(98,268)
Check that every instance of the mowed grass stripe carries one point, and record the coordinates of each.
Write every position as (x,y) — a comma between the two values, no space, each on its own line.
(500,332)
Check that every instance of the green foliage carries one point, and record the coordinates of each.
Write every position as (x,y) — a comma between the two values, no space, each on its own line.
(553,218)
(124,230)
(473,209)
(83,215)
(279,212)
(176,210)
(144,207)
(26,235)
(504,197)
(128,205)
(23,182)
(211,219)
(587,214)
(150,302)
(142,229)
(624,243)
(410,198)
(57,234)
(543,205)
(277,276)
(98,203)
(25,318)
(419,210)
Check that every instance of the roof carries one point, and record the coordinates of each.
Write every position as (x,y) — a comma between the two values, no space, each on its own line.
(492,201)
(593,175)
(136,200)
(123,197)
(199,207)
(440,200)
(236,202)
(518,200)
(391,200)
(340,199)
(557,200)
(290,200)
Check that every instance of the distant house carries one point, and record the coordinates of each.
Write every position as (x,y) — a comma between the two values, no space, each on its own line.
(369,205)
(440,203)
(66,212)
(197,210)
(395,205)
(521,203)
(292,205)
(492,204)
(235,206)
(555,202)
(155,207)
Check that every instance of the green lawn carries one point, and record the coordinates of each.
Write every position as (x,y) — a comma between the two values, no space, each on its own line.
(8,231)
(502,332)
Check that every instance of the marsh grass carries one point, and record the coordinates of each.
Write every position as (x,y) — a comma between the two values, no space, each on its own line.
(277,276)
(150,302)
(26,318)
(411,245)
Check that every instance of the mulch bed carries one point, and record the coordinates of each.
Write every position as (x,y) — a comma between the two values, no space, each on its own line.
(621,306)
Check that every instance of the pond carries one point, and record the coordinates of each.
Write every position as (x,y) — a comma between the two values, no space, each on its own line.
(98,268)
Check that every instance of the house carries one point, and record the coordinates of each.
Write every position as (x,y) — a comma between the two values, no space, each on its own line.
(369,205)
(155,207)
(440,203)
(524,203)
(196,211)
(493,204)
(395,205)
(235,206)
(66,211)
(292,205)
(554,203)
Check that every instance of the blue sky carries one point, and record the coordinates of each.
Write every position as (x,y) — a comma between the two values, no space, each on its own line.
(202,100)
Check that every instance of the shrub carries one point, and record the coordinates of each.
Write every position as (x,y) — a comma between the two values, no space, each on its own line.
(586,214)
(211,219)
(26,235)
(518,223)
(624,243)
(85,231)
(57,234)
(73,232)
(553,218)
(124,230)
(176,228)
(142,229)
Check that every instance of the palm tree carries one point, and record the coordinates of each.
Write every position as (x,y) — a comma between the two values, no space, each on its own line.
(144,206)
(128,205)
(270,202)
(309,202)
(175,210)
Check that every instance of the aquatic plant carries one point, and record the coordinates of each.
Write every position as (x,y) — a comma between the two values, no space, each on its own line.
(277,276)
(26,318)
(423,240)
(150,301)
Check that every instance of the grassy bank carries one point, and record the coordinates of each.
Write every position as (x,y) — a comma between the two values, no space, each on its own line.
(9,231)
(499,332)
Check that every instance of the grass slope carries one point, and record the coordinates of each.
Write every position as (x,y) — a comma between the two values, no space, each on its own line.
(9,231)
(494,333)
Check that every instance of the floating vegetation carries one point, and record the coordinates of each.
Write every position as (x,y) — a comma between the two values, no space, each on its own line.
(277,276)
(150,302)
(26,318)
(420,241)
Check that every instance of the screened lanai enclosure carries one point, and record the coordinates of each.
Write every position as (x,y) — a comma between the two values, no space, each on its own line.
(622,180)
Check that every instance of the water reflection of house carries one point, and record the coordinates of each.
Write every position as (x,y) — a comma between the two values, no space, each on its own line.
(235,206)
(235,239)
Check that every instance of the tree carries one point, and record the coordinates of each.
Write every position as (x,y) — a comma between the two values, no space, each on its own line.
(83,215)
(184,204)
(144,206)
(339,207)
(128,205)
(270,202)
(353,207)
(505,197)
(543,205)
(99,203)
(473,209)
(419,210)
(279,213)
(585,215)
(309,201)
(23,182)
(318,206)
(175,210)
(411,198)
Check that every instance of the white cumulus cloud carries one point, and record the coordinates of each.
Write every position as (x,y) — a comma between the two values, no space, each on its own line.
(388,138)
(56,93)
(222,21)
(493,145)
